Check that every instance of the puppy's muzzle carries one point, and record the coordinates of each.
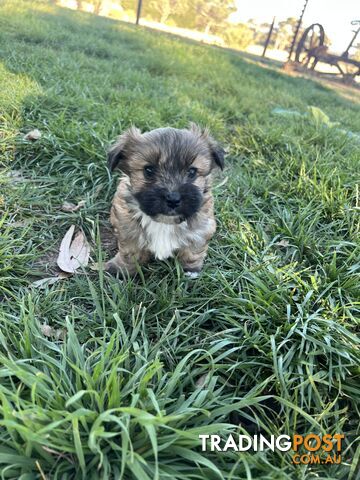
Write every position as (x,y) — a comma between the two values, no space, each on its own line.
(173,199)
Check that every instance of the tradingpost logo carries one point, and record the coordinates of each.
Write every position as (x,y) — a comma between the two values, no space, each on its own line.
(307,449)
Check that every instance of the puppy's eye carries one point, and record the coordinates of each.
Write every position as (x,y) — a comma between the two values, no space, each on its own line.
(149,171)
(192,172)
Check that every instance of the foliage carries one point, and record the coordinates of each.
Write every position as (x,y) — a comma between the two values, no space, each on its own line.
(97,5)
(281,36)
(237,36)
(209,14)
(164,9)
(130,372)
(284,33)
(203,15)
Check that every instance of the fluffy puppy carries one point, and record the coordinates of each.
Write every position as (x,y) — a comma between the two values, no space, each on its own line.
(163,206)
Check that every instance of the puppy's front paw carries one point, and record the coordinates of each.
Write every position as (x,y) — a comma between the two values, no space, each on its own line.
(111,267)
(116,266)
(192,274)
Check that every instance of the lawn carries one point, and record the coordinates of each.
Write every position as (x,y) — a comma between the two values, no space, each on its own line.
(109,379)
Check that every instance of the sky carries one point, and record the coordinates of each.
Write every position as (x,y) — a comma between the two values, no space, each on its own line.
(334,15)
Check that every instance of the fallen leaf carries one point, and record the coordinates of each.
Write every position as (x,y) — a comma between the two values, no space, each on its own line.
(320,117)
(45,282)
(71,207)
(282,243)
(200,382)
(68,207)
(33,135)
(95,267)
(74,252)
(49,331)
(60,334)
(46,330)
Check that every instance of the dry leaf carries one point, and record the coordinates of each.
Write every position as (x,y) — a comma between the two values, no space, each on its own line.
(282,243)
(71,207)
(95,267)
(200,382)
(45,282)
(49,331)
(60,334)
(46,330)
(33,135)
(68,207)
(74,252)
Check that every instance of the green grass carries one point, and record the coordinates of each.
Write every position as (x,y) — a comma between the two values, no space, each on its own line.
(133,372)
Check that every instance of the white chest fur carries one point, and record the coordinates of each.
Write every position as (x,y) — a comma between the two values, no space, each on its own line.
(162,239)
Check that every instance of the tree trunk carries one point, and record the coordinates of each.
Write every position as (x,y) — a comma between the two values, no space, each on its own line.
(208,27)
(166,11)
(98,6)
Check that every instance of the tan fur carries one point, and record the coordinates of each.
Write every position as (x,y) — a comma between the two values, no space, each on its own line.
(141,237)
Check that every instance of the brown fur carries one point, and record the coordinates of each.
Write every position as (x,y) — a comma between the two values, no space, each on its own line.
(140,236)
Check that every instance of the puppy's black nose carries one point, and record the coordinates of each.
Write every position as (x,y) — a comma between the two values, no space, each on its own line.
(173,199)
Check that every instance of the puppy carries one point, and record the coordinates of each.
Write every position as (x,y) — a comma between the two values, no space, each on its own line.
(163,206)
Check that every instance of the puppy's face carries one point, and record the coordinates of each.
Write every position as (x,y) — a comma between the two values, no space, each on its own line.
(169,169)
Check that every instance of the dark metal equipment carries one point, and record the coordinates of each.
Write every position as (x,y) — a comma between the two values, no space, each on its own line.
(311,49)
(355,32)
(138,11)
(268,37)
(298,25)
(310,41)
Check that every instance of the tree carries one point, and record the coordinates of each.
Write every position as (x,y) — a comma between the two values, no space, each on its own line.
(96,3)
(163,9)
(157,10)
(205,15)
(261,31)
(281,36)
(97,6)
(212,13)
(237,36)
(285,33)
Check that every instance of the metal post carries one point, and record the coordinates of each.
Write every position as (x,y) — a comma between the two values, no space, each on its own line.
(268,37)
(297,30)
(355,32)
(138,13)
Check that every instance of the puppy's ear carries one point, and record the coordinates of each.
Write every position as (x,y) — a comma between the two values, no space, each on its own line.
(217,152)
(197,130)
(120,150)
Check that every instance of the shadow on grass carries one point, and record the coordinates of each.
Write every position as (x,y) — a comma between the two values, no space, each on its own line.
(53,45)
